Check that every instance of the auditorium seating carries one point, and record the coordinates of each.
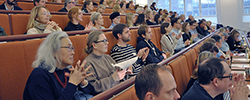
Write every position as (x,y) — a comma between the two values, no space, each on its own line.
(4,19)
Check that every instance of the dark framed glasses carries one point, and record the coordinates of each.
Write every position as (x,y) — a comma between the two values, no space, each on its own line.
(104,41)
(229,76)
(70,48)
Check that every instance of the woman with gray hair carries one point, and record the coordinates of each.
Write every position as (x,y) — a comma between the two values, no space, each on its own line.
(101,8)
(51,77)
(97,20)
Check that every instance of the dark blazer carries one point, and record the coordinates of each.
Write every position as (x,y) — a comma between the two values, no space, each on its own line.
(2,7)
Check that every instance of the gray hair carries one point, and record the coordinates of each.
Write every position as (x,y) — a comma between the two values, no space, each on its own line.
(92,38)
(94,16)
(100,6)
(48,53)
(139,9)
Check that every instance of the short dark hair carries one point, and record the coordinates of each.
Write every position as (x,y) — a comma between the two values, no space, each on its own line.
(36,1)
(121,5)
(201,21)
(142,30)
(157,16)
(207,46)
(174,20)
(140,19)
(87,2)
(101,2)
(192,22)
(216,37)
(148,80)
(127,5)
(118,29)
(163,26)
(209,69)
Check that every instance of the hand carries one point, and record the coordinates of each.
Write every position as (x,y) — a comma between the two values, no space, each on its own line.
(78,73)
(164,55)
(205,28)
(89,26)
(145,55)
(194,36)
(187,42)
(173,34)
(179,36)
(51,25)
(240,91)
(129,70)
(118,75)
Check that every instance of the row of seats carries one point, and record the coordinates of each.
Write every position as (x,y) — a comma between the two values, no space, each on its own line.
(17,57)
(16,24)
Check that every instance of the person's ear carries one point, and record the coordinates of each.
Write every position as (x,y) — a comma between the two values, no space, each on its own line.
(216,82)
(143,35)
(94,45)
(119,36)
(149,96)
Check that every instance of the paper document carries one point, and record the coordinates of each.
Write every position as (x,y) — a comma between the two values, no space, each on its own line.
(125,64)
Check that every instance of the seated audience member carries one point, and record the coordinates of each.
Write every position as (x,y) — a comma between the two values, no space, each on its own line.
(104,75)
(97,20)
(123,8)
(40,2)
(115,19)
(182,17)
(152,7)
(39,21)
(190,18)
(68,4)
(176,23)
(136,6)
(141,20)
(165,19)
(149,17)
(118,1)
(116,8)
(75,17)
(110,3)
(145,8)
(224,47)
(10,5)
(209,45)
(155,82)
(168,43)
(233,41)
(218,43)
(158,19)
(170,13)
(122,51)
(2,32)
(202,28)
(101,8)
(215,78)
(193,30)
(128,6)
(139,10)
(160,12)
(103,2)
(130,19)
(202,56)
(51,78)
(87,6)
(154,12)
(144,40)
(209,27)
(187,35)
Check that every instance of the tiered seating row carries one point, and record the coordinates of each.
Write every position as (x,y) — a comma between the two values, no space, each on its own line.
(16,24)
(180,65)
(17,57)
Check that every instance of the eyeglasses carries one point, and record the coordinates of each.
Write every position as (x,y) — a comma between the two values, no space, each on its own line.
(70,48)
(73,3)
(229,76)
(46,13)
(104,41)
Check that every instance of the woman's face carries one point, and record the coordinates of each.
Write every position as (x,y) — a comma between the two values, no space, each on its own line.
(71,4)
(90,6)
(188,27)
(66,53)
(236,36)
(169,28)
(100,20)
(124,7)
(102,44)
(133,19)
(80,15)
(43,16)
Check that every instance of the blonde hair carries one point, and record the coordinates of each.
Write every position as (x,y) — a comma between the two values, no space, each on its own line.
(116,8)
(73,11)
(147,13)
(34,13)
(129,18)
(94,16)
(92,38)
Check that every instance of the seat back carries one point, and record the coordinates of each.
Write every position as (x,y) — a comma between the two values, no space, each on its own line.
(19,23)
(4,19)
(26,5)
(54,7)
(133,36)
(191,59)
(157,33)
(107,21)
(128,94)
(180,73)
(81,44)
(85,21)
(62,20)
(111,40)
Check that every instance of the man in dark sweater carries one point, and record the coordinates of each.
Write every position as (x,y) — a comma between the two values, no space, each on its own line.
(202,28)
(144,40)
(215,78)
(123,51)
(68,4)
(9,5)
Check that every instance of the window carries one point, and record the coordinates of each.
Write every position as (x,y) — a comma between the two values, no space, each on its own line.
(192,7)
(208,7)
(177,6)
(141,2)
(163,4)
(246,6)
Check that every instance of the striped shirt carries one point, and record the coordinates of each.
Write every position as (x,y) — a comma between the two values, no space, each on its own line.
(120,54)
